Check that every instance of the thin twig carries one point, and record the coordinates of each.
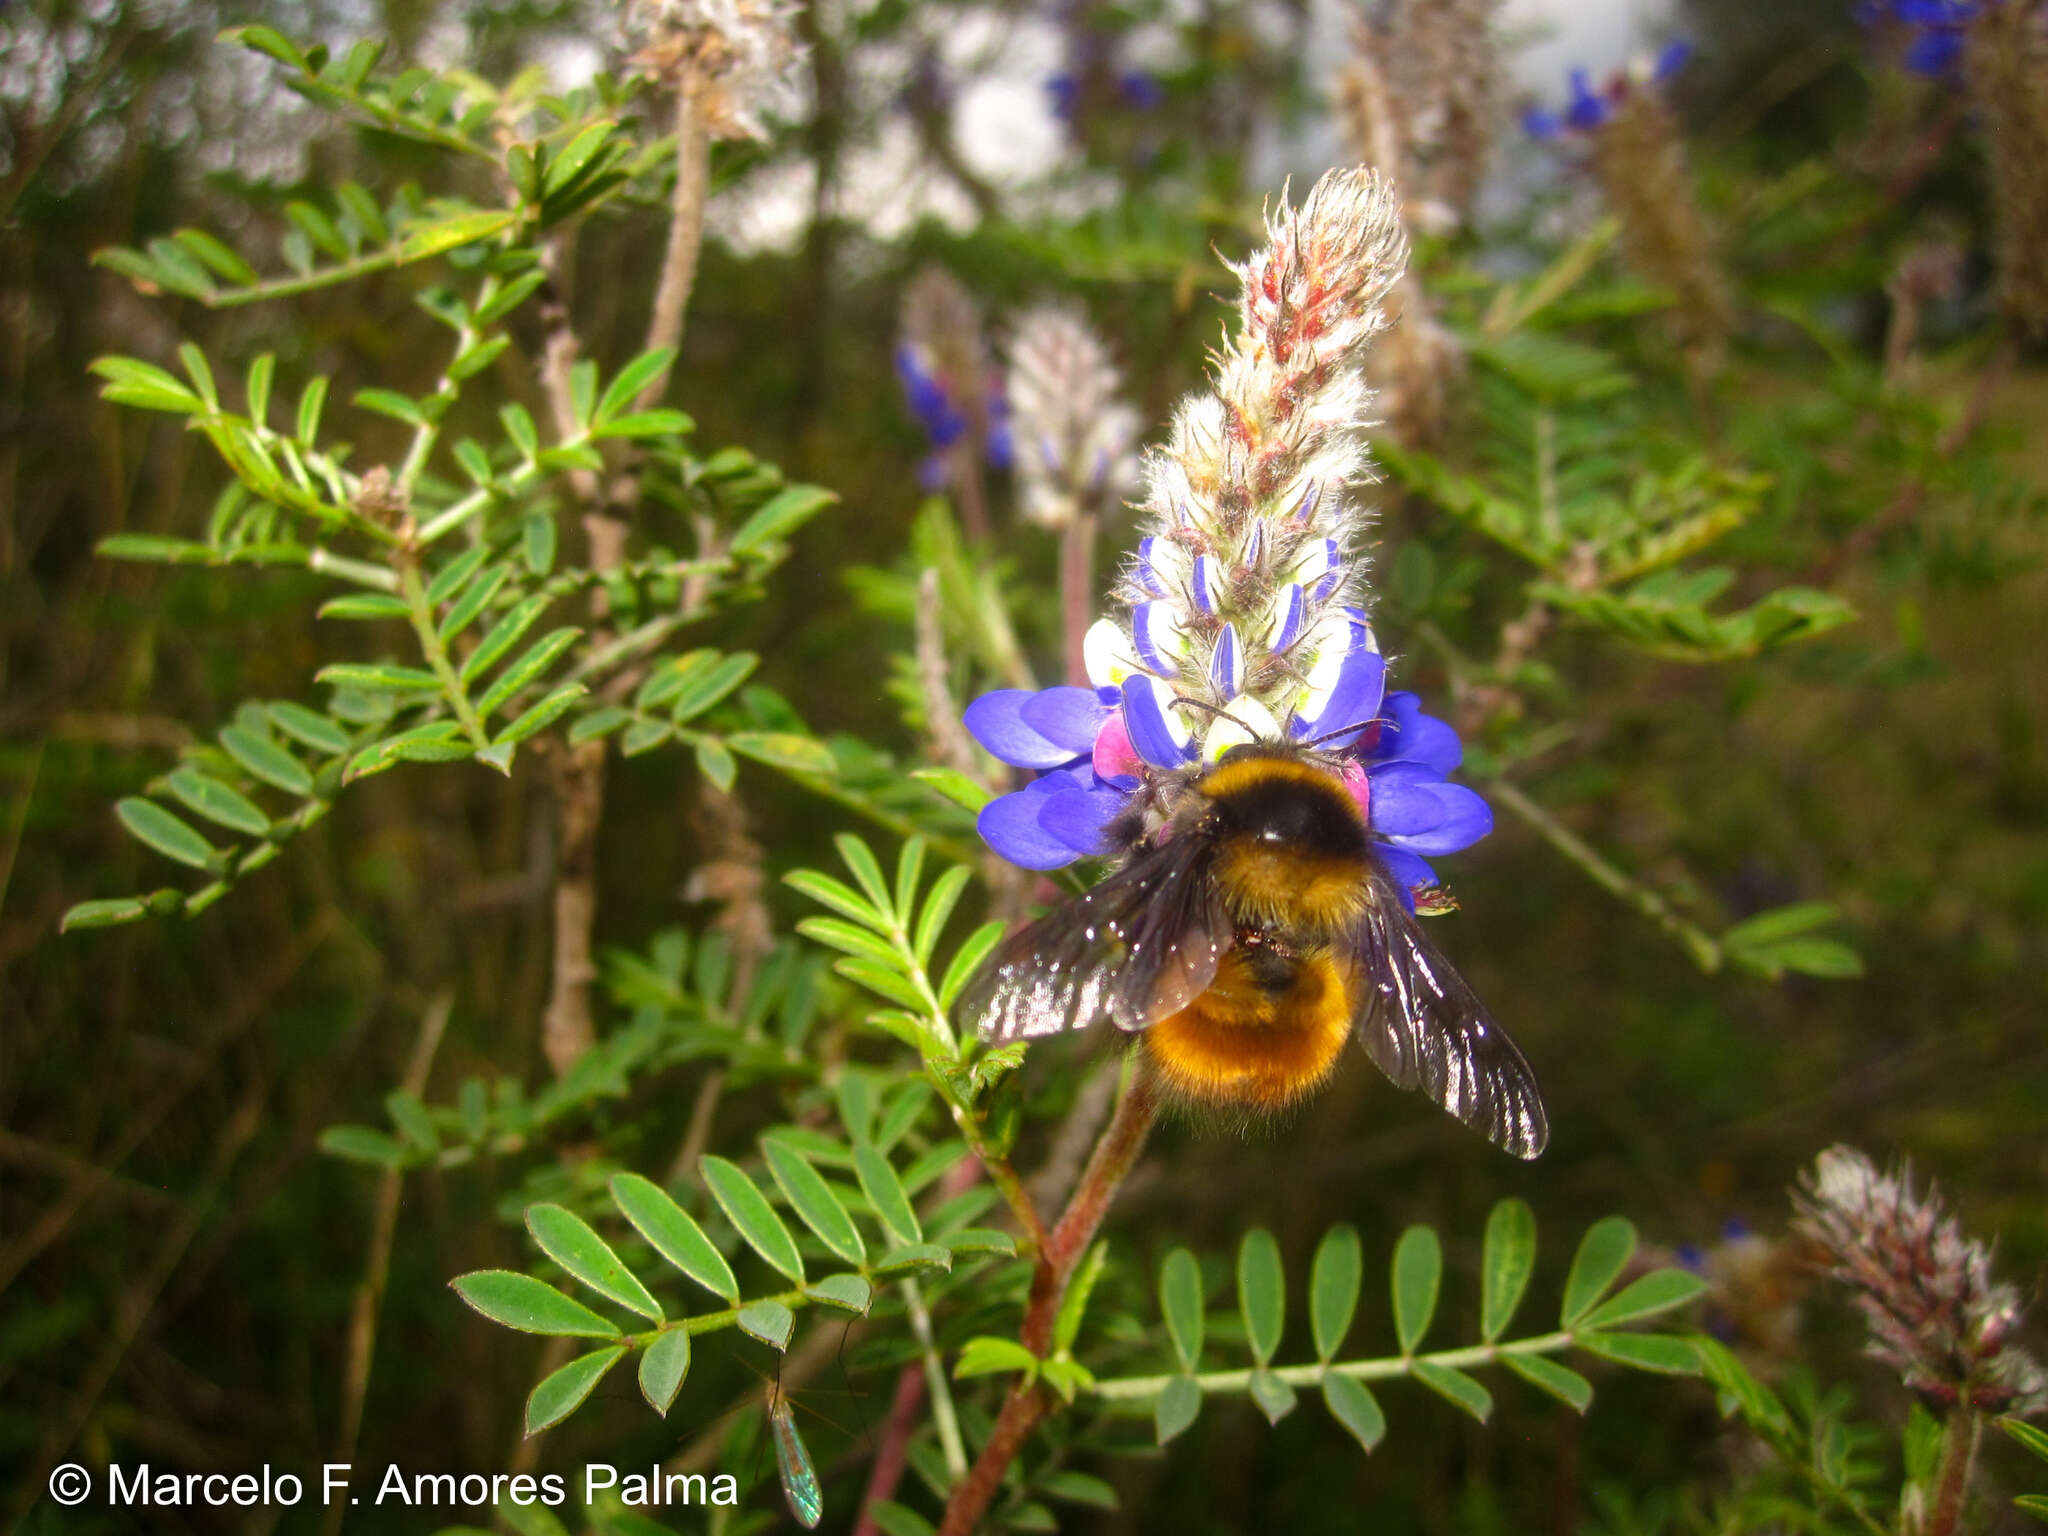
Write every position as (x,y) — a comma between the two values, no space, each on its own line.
(1695,940)
(369,1295)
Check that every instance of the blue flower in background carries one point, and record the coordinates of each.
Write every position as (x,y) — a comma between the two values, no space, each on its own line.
(929,403)
(1934,29)
(1589,109)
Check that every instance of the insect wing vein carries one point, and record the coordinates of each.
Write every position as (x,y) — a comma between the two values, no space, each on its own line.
(1139,946)
(1425,1028)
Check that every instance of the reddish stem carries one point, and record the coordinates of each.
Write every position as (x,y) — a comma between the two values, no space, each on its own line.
(1022,1411)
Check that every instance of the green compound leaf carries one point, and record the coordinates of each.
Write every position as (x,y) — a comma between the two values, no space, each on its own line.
(674,1234)
(1738,1390)
(1505,1263)
(308,727)
(1353,1406)
(991,1356)
(885,1193)
(1418,1274)
(1074,1305)
(1456,1387)
(1180,1302)
(769,1321)
(567,1239)
(812,1199)
(916,1256)
(1078,1488)
(2028,1435)
(1333,1288)
(1659,1291)
(749,1211)
(784,749)
(1663,1352)
(1176,1407)
(105,913)
(1603,1253)
(219,803)
(563,1393)
(849,1293)
(663,1367)
(1560,1381)
(522,1302)
(1273,1397)
(166,833)
(1261,1293)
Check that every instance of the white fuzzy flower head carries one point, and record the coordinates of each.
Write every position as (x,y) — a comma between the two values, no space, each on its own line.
(1245,609)
(1073,434)
(736,55)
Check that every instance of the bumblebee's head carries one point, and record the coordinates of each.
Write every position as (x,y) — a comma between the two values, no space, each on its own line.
(1291,842)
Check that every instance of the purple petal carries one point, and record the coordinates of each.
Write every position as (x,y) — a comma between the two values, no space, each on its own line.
(1065,779)
(1077,818)
(1145,577)
(1672,58)
(1145,719)
(1462,819)
(996,720)
(1402,799)
(1009,824)
(1542,123)
(1290,617)
(1069,717)
(1410,736)
(1226,664)
(1407,870)
(1355,698)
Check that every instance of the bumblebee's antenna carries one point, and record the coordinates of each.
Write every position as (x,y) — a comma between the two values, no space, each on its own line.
(1216,710)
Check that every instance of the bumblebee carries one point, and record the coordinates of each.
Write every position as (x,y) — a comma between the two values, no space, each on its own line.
(1248,932)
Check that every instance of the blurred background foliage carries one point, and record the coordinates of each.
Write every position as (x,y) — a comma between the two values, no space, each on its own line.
(178,1255)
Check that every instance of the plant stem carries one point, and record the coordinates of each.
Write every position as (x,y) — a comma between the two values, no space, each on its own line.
(944,1419)
(1077,591)
(1114,1156)
(1388,1368)
(1952,1484)
(685,234)
(1706,954)
(421,613)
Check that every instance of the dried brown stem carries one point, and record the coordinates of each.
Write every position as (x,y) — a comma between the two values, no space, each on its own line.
(369,1295)
(685,233)
(567,1028)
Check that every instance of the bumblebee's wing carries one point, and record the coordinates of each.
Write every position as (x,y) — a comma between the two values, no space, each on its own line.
(1139,947)
(1425,1028)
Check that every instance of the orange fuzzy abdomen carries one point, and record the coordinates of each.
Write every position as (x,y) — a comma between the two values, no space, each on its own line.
(1255,1039)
